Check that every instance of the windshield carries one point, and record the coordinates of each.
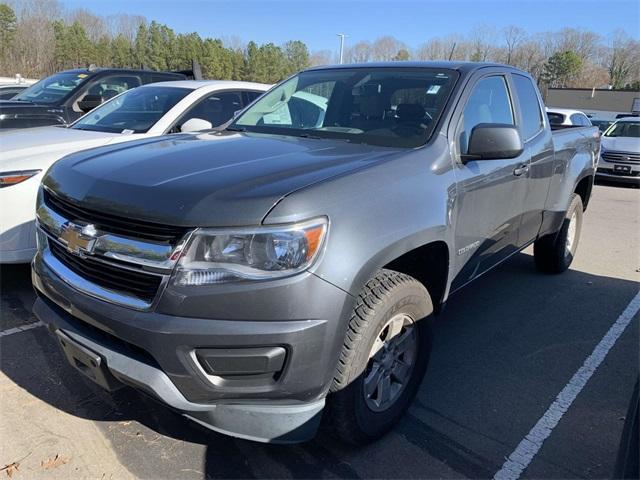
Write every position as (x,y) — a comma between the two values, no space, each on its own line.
(396,107)
(135,111)
(52,89)
(624,129)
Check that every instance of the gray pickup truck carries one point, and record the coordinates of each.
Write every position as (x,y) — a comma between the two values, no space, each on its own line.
(284,272)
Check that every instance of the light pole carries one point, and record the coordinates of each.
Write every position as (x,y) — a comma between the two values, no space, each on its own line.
(342,37)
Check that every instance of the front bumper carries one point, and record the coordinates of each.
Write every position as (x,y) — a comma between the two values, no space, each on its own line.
(608,174)
(154,351)
(607,170)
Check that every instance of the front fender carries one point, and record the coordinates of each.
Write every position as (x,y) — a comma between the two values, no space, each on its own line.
(377,214)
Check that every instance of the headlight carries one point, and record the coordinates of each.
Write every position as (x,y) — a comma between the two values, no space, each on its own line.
(11,178)
(261,253)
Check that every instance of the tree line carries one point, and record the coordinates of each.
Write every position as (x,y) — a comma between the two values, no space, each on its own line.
(37,38)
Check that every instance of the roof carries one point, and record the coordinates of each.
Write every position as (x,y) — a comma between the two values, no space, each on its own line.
(211,84)
(460,66)
(116,70)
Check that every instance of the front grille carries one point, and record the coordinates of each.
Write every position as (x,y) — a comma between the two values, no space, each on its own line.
(621,157)
(113,223)
(143,286)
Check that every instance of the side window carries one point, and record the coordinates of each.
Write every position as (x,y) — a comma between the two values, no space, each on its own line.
(529,106)
(580,119)
(216,108)
(489,103)
(251,96)
(161,78)
(555,118)
(108,87)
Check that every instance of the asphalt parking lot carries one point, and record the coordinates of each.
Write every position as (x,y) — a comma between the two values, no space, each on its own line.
(504,348)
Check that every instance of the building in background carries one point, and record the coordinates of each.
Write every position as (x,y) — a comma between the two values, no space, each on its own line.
(598,103)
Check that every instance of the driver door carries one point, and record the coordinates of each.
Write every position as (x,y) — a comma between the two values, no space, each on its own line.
(490,192)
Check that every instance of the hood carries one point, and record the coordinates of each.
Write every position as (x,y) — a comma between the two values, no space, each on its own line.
(214,179)
(17,114)
(621,144)
(28,148)
(6,104)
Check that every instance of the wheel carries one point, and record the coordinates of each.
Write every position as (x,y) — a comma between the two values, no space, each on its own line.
(383,359)
(554,253)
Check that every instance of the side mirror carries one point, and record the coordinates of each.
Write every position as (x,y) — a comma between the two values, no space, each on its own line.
(89,102)
(195,125)
(493,141)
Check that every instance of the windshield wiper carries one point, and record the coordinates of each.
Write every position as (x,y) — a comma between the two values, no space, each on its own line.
(236,129)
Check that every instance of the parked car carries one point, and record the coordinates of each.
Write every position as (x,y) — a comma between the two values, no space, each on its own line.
(253,277)
(620,154)
(11,86)
(64,97)
(10,90)
(625,115)
(566,117)
(143,112)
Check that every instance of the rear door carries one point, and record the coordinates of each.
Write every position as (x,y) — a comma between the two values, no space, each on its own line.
(540,156)
(489,193)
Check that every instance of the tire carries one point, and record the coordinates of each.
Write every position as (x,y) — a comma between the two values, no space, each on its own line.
(390,303)
(554,253)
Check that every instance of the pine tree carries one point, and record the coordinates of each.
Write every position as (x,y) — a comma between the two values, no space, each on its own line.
(8,24)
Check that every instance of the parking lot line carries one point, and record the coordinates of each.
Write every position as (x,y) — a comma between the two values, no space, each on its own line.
(23,328)
(530,445)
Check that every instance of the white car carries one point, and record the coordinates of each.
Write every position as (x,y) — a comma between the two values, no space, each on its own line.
(11,86)
(620,151)
(567,117)
(146,111)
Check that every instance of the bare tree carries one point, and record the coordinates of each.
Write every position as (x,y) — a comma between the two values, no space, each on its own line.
(386,48)
(583,43)
(359,53)
(234,42)
(481,44)
(530,57)
(32,49)
(95,26)
(320,57)
(451,47)
(125,25)
(623,60)
(513,37)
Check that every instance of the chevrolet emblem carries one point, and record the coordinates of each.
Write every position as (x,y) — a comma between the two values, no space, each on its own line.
(78,239)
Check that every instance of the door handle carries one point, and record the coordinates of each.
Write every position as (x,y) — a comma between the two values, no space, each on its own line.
(521,170)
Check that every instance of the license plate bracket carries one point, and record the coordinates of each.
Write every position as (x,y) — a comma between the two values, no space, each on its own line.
(87,362)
